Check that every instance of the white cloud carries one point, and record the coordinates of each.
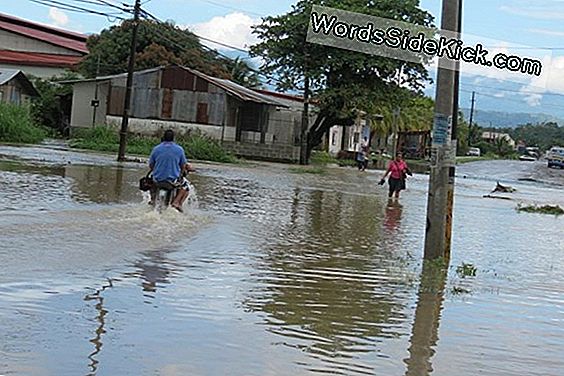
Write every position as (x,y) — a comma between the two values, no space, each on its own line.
(58,17)
(233,29)
(547,32)
(535,12)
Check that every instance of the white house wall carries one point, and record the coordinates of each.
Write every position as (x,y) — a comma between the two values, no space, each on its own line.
(336,134)
(152,127)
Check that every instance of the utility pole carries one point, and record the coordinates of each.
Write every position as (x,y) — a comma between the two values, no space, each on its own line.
(129,84)
(95,103)
(471,119)
(441,181)
(395,126)
(305,113)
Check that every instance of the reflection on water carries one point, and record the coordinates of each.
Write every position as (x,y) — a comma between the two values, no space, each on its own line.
(325,286)
(100,318)
(424,332)
(267,273)
(393,215)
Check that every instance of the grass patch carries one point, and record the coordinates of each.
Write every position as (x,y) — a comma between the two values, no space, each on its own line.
(17,125)
(459,290)
(322,158)
(545,209)
(307,170)
(347,163)
(196,145)
(466,270)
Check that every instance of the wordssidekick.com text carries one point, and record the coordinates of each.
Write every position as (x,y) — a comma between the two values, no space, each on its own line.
(420,45)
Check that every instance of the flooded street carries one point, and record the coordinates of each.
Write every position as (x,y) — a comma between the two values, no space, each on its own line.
(270,272)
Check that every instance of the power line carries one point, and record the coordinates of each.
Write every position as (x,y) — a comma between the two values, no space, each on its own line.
(74,8)
(512,100)
(512,91)
(204,38)
(231,8)
(269,78)
(102,3)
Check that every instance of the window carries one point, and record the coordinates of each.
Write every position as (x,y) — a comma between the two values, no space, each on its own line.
(202,114)
(356,137)
(334,139)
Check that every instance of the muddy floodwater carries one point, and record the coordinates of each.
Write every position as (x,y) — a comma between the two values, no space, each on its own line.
(273,272)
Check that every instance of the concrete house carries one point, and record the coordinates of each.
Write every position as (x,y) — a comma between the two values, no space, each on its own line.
(15,87)
(37,49)
(491,137)
(250,123)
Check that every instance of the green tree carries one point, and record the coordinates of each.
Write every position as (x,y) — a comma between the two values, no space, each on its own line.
(242,73)
(157,44)
(462,135)
(46,109)
(344,82)
(543,135)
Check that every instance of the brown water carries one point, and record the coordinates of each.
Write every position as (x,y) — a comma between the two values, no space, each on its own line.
(271,273)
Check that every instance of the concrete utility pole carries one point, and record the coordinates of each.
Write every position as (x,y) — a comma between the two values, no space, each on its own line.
(443,152)
(471,118)
(129,84)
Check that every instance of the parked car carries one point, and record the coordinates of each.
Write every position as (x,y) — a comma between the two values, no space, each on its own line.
(474,152)
(555,157)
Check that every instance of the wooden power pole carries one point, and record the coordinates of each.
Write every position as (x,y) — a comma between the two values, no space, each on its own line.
(441,181)
(129,84)
(471,119)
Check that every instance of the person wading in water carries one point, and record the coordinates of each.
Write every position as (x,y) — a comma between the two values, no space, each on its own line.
(398,171)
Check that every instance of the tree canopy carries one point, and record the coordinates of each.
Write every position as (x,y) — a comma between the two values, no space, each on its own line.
(158,43)
(343,81)
(543,135)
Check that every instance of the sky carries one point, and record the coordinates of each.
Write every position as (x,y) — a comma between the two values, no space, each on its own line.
(498,23)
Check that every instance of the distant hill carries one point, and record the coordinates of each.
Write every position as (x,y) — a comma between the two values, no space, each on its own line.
(507,119)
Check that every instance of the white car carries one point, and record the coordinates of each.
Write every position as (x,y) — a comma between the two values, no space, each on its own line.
(474,152)
(556,157)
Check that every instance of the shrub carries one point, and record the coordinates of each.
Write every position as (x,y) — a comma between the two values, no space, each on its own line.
(196,145)
(200,146)
(322,158)
(17,125)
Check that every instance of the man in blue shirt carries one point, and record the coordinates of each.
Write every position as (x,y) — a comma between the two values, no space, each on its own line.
(167,163)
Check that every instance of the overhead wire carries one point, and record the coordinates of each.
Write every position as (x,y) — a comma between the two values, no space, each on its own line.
(74,8)
(232,8)
(511,99)
(269,78)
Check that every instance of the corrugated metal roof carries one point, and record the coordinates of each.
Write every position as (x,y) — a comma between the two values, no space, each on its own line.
(110,77)
(62,38)
(237,90)
(35,58)
(241,92)
(6,75)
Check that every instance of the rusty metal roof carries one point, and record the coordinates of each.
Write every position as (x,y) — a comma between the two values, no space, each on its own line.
(57,37)
(241,92)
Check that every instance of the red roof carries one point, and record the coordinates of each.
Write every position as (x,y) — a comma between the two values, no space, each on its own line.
(35,58)
(62,38)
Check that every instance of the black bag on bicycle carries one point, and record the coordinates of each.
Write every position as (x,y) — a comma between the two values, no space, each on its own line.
(146,183)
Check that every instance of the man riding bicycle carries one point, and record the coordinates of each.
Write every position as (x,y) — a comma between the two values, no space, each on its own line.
(168,164)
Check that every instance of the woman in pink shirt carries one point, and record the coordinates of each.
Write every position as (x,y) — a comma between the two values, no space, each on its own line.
(398,170)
